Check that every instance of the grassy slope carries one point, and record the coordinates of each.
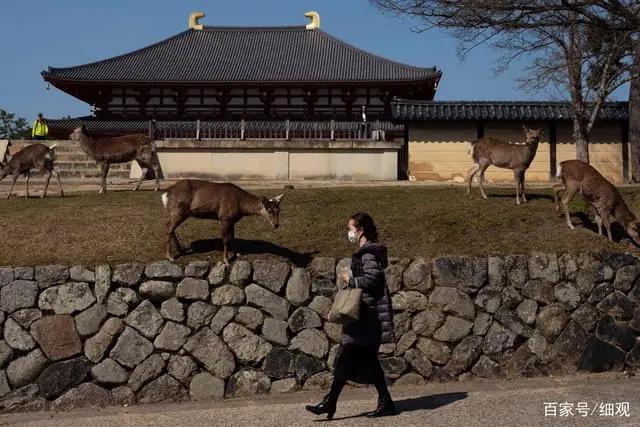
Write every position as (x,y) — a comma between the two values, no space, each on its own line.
(125,226)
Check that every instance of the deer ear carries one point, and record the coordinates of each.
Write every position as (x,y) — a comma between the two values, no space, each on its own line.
(278,198)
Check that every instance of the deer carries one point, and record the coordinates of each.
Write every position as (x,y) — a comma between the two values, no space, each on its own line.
(35,156)
(224,202)
(577,176)
(119,149)
(489,151)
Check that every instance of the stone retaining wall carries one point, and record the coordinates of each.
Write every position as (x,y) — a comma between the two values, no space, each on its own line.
(135,333)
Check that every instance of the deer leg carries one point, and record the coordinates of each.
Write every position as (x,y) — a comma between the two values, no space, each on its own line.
(142,175)
(599,222)
(522,177)
(470,174)
(156,172)
(172,224)
(104,171)
(516,176)
(59,183)
(558,188)
(481,182)
(13,182)
(224,233)
(46,185)
(27,176)
(568,195)
(604,215)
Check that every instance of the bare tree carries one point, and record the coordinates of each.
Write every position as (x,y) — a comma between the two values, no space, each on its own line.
(565,49)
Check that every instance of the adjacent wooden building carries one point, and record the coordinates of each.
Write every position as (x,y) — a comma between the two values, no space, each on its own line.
(436,133)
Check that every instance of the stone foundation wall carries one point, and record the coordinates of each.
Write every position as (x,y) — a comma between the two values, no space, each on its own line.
(147,333)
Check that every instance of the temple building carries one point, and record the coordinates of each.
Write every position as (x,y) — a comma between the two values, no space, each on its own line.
(251,73)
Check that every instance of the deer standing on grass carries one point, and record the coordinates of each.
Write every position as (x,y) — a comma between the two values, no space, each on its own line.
(224,202)
(577,176)
(489,151)
(35,156)
(119,149)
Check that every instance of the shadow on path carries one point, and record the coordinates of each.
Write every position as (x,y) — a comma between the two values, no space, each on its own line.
(422,403)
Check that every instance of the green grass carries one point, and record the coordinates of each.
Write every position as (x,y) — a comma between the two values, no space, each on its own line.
(412,221)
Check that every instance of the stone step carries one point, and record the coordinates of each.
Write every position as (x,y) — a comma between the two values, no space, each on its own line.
(89,165)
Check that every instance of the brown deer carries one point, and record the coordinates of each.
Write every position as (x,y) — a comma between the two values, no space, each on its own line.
(577,176)
(489,151)
(119,149)
(224,202)
(35,156)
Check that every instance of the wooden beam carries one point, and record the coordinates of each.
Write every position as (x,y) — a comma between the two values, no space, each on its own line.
(553,156)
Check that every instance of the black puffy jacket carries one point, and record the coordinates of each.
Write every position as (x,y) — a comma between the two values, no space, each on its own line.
(375,325)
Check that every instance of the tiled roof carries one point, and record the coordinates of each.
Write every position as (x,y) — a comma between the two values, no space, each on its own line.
(99,126)
(245,54)
(410,110)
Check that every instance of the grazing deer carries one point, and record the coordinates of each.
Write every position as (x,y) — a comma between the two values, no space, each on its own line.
(35,156)
(119,149)
(224,202)
(489,151)
(577,176)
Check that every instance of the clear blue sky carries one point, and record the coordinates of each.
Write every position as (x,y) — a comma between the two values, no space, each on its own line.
(36,34)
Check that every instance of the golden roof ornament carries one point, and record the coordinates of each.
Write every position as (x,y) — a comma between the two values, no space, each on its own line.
(193,20)
(315,20)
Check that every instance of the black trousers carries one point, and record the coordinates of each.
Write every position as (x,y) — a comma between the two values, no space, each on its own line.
(360,364)
(38,137)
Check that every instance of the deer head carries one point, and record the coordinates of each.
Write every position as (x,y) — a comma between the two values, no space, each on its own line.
(532,135)
(78,132)
(271,209)
(633,230)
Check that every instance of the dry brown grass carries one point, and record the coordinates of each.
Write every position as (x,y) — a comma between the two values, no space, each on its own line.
(125,226)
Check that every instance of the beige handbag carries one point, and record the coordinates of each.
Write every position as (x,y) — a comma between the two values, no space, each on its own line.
(346,306)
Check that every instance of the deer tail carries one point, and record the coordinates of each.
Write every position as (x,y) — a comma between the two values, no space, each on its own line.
(470,146)
(50,154)
(559,170)
(165,199)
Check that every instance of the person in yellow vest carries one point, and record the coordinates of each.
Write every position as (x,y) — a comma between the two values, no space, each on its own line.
(40,129)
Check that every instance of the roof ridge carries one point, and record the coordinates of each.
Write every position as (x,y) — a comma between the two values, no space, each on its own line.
(254,28)
(122,55)
(386,60)
(480,102)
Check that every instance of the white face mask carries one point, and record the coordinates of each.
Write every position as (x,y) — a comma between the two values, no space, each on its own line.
(353,237)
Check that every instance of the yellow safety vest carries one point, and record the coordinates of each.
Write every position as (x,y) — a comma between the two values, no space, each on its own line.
(40,128)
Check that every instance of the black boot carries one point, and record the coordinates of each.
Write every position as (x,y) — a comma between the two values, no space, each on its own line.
(386,406)
(384,409)
(327,406)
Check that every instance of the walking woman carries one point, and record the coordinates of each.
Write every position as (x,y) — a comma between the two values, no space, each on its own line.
(357,358)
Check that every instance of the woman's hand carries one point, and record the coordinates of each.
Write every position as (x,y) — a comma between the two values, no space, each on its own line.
(344,275)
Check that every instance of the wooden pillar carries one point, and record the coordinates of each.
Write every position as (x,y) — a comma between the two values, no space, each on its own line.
(267,99)
(403,156)
(553,156)
(624,137)
(223,99)
(180,99)
(348,98)
(310,99)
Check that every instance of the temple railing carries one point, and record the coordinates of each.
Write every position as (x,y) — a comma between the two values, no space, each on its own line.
(331,130)
(284,130)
